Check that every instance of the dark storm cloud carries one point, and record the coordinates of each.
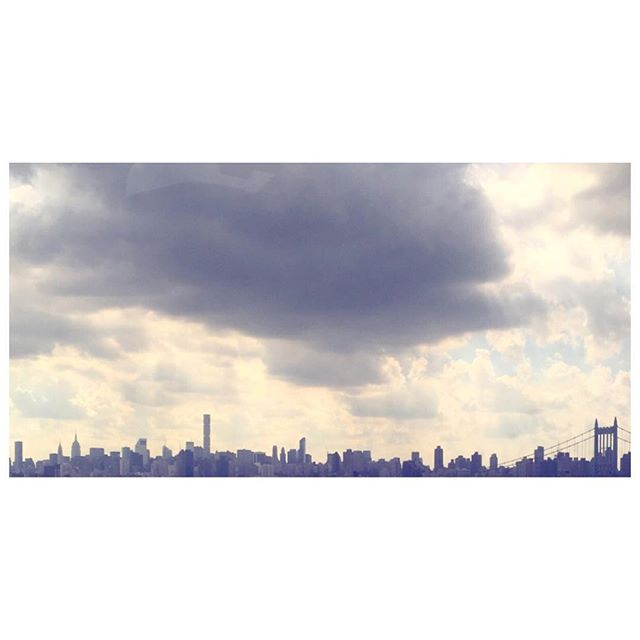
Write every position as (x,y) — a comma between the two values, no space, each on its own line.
(337,257)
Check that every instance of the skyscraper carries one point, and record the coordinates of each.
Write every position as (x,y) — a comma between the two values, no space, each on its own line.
(274,454)
(476,463)
(302,449)
(17,457)
(438,459)
(206,433)
(538,460)
(75,447)
(141,449)
(60,454)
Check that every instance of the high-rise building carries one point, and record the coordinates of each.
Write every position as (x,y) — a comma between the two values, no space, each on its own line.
(166,452)
(493,462)
(75,447)
(292,456)
(438,459)
(538,460)
(302,449)
(283,456)
(206,433)
(476,463)
(141,449)
(274,454)
(17,457)
(333,463)
(60,454)
(125,461)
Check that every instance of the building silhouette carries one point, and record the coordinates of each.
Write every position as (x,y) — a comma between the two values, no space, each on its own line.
(75,447)
(17,456)
(562,460)
(438,459)
(302,450)
(206,433)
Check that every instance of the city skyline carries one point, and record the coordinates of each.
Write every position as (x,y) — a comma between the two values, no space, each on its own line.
(610,447)
(391,308)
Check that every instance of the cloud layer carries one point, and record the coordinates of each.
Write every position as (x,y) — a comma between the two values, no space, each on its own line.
(340,257)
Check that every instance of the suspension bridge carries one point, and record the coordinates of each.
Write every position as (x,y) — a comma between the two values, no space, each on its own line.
(598,451)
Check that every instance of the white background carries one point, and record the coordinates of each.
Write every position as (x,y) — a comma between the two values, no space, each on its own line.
(276,81)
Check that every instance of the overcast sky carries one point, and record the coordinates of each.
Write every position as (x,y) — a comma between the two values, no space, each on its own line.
(383,307)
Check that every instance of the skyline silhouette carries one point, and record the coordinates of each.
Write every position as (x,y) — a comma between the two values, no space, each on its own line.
(611,457)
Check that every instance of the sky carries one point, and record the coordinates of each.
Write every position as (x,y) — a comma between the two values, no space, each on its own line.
(366,306)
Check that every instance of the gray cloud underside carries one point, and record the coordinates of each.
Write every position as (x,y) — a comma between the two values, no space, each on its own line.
(336,257)
(607,206)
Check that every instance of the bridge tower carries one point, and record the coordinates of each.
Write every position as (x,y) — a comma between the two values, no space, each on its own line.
(605,448)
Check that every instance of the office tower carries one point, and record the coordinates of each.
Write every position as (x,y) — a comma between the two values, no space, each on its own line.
(292,456)
(333,464)
(415,457)
(274,454)
(125,461)
(75,447)
(17,457)
(166,452)
(476,463)
(538,460)
(60,454)
(206,433)
(302,450)
(184,464)
(493,462)
(283,456)
(141,450)
(438,459)
(113,463)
